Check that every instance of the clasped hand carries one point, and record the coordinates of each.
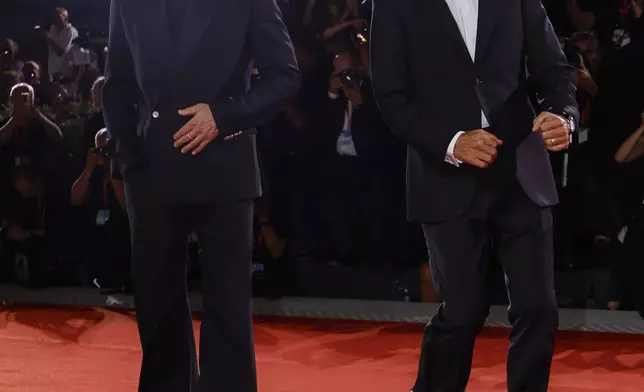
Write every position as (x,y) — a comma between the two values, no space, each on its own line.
(479,148)
(199,132)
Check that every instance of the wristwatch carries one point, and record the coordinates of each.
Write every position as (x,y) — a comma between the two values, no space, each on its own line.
(570,124)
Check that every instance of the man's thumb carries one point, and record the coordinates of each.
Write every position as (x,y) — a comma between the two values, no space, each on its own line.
(190,111)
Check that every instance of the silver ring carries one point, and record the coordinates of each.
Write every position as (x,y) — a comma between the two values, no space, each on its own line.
(190,136)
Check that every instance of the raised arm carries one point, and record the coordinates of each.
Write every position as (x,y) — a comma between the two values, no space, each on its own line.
(280,77)
(633,147)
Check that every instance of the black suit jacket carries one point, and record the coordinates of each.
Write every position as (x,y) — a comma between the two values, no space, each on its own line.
(428,88)
(151,75)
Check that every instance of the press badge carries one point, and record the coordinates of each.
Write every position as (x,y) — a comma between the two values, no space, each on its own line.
(102,217)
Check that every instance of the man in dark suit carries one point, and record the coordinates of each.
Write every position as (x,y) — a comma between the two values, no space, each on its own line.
(181,113)
(450,78)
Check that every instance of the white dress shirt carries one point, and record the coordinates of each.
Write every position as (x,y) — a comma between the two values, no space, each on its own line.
(64,39)
(466,15)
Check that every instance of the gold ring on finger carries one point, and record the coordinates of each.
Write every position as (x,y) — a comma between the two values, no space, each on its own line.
(190,137)
(552,141)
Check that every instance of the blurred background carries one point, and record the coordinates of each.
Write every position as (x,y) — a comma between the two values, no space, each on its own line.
(332,221)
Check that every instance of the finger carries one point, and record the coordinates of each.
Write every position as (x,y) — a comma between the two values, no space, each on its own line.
(211,135)
(485,157)
(189,111)
(201,146)
(541,118)
(551,123)
(559,147)
(489,142)
(557,144)
(194,142)
(187,129)
(488,149)
(556,133)
(491,137)
(186,139)
(478,163)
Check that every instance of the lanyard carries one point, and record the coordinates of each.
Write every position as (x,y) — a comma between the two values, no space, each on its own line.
(348,116)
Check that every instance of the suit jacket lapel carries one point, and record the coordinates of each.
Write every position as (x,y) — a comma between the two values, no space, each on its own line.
(488,11)
(452,32)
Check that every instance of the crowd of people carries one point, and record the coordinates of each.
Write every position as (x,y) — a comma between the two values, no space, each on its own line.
(333,172)
(64,217)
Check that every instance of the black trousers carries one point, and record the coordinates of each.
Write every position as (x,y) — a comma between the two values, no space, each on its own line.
(226,352)
(521,232)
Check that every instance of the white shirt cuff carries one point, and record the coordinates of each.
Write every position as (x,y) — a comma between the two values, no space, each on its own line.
(449,155)
(333,95)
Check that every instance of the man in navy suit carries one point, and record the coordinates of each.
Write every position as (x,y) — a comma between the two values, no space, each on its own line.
(181,112)
(455,80)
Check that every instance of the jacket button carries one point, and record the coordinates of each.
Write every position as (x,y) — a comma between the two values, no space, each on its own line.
(155,114)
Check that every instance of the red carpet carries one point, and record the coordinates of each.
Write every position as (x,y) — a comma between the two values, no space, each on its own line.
(55,350)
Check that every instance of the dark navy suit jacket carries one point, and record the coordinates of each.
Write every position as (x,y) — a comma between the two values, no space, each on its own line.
(428,88)
(151,75)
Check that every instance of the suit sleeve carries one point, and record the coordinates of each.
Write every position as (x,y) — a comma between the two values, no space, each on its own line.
(404,114)
(119,91)
(549,72)
(279,75)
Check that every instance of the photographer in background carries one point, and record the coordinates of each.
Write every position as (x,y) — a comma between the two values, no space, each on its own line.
(105,228)
(9,56)
(28,138)
(333,21)
(615,109)
(31,74)
(92,124)
(363,169)
(60,39)
(630,268)
(581,49)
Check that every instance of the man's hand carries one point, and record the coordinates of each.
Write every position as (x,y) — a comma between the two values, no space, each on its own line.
(554,129)
(477,148)
(198,132)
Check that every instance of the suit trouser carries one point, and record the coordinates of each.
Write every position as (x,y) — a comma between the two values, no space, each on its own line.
(521,233)
(159,235)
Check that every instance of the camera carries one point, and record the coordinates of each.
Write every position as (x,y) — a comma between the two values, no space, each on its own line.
(103,151)
(574,58)
(360,35)
(350,78)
